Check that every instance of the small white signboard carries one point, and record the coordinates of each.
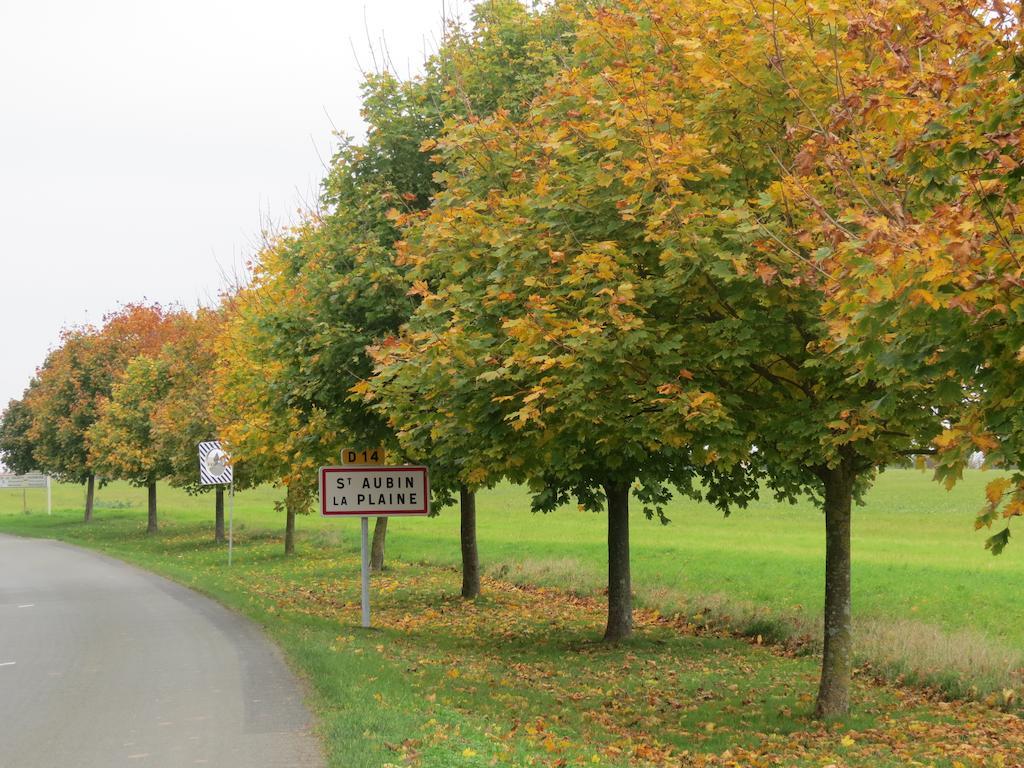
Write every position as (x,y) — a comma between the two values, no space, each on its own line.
(360,491)
(214,464)
(30,480)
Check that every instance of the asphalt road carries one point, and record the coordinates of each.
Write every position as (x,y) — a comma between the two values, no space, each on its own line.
(103,665)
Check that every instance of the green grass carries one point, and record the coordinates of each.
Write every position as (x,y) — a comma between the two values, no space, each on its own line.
(517,677)
(915,551)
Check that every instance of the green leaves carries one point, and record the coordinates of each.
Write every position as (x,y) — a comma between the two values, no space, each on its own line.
(16,445)
(120,442)
(998,542)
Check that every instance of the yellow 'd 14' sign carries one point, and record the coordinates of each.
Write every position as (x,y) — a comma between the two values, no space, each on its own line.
(373,457)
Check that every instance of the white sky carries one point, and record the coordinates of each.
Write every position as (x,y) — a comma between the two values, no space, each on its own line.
(143,143)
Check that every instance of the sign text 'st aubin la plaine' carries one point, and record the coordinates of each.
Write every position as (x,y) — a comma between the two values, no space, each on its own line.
(362,491)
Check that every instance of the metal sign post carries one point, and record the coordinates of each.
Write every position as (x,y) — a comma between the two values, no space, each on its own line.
(231,521)
(363,488)
(366,569)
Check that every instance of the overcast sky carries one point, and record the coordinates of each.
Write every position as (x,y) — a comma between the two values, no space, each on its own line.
(144,143)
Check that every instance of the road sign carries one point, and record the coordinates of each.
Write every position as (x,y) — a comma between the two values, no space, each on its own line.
(374,457)
(26,481)
(215,469)
(214,464)
(361,491)
(30,480)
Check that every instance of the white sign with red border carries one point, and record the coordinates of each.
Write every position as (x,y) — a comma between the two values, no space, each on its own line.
(363,491)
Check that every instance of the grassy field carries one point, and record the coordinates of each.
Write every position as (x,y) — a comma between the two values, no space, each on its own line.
(916,554)
(517,678)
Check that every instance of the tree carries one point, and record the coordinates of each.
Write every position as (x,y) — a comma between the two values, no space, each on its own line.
(628,285)
(932,294)
(74,380)
(63,406)
(184,416)
(16,447)
(277,441)
(526,358)
(709,147)
(120,441)
(891,149)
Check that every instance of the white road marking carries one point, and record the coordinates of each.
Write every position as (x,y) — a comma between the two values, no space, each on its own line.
(28,605)
(7,663)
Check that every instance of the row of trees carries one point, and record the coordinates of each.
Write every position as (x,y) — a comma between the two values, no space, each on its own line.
(613,251)
(128,400)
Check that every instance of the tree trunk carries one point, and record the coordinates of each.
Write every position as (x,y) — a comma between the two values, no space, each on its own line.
(836,663)
(151,525)
(470,554)
(620,598)
(380,533)
(90,497)
(289,529)
(218,526)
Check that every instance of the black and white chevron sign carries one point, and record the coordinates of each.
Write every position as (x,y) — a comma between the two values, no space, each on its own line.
(214,464)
